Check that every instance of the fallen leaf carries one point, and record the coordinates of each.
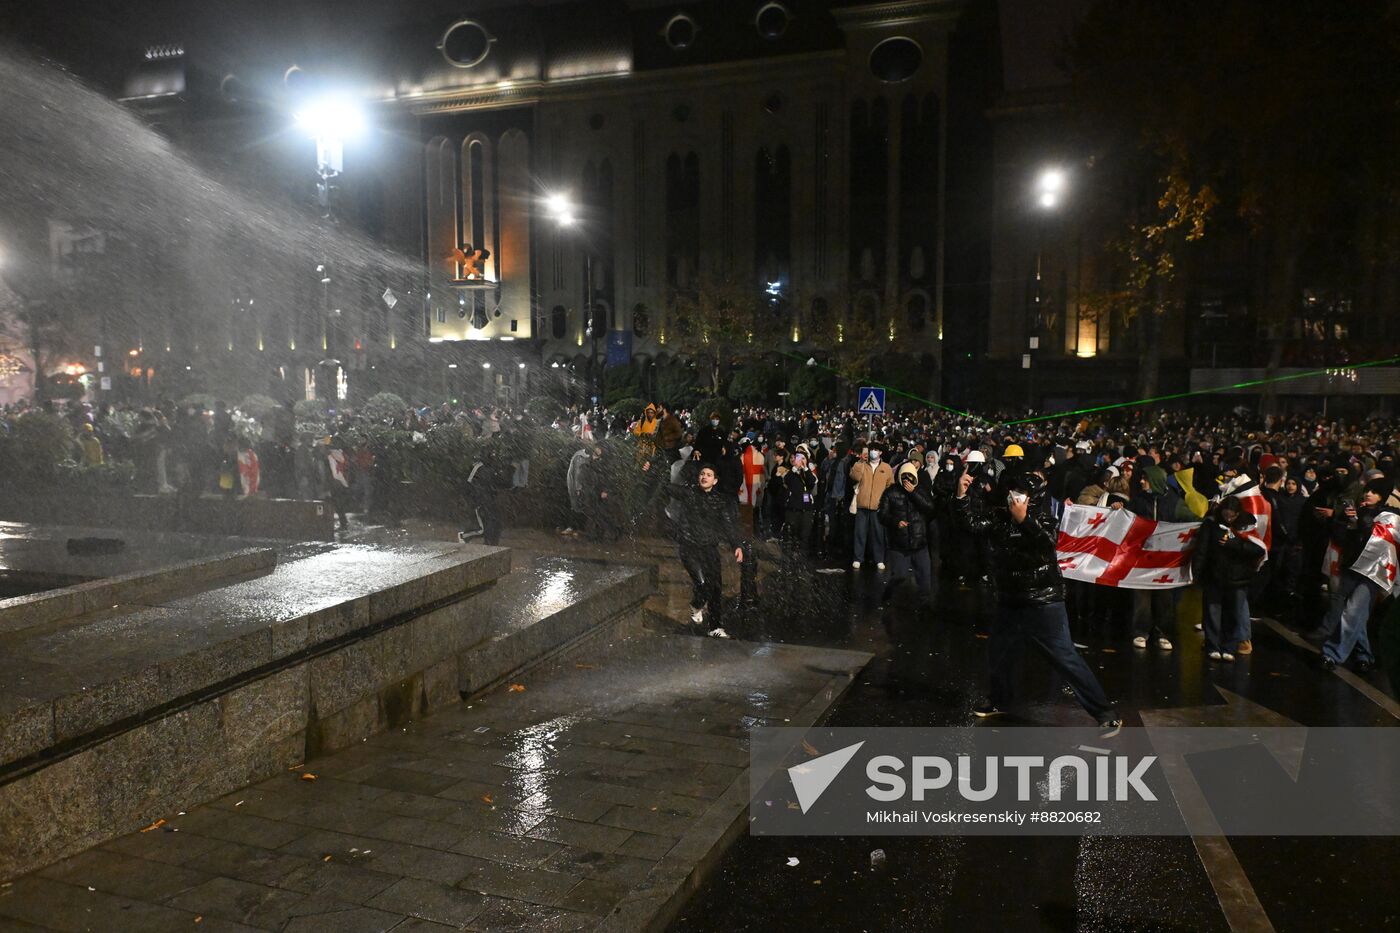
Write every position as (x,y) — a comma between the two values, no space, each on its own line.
(239,804)
(308,776)
(983,635)
(325,858)
(297,767)
(809,748)
(818,881)
(517,688)
(1110,650)
(586,667)
(793,806)
(487,799)
(199,918)
(793,861)
(156,825)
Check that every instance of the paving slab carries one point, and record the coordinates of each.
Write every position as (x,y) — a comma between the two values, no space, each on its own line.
(591,792)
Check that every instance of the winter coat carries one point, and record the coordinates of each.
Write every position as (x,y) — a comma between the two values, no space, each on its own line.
(874,479)
(916,509)
(705,519)
(1288,514)
(1233,563)
(1091,495)
(1167,507)
(801,490)
(1023,556)
(670,432)
(1352,539)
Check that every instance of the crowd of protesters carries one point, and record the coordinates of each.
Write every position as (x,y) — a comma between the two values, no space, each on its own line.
(857,494)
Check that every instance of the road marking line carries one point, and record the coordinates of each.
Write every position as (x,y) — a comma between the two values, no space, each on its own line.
(1359,683)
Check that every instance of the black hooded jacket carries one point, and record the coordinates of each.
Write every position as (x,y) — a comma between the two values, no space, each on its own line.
(915,508)
(1023,555)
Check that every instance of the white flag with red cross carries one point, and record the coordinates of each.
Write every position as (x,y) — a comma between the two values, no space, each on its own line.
(1252,501)
(1114,547)
(1377,561)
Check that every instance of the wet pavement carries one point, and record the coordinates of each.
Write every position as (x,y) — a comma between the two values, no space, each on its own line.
(930,671)
(585,792)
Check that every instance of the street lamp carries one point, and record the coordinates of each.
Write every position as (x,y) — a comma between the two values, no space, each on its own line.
(564,213)
(330,121)
(1050,184)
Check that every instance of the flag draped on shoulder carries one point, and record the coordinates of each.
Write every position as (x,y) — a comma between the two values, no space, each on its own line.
(1252,500)
(1377,561)
(1117,548)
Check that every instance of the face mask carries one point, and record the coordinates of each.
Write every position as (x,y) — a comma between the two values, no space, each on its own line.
(714,422)
(875,458)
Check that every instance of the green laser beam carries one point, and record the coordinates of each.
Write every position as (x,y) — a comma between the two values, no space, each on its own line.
(1113,406)
(1213,391)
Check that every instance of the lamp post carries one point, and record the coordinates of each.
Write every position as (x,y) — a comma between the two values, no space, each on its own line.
(1050,184)
(330,121)
(565,216)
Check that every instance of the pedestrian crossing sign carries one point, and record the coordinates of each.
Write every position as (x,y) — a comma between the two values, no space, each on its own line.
(871,400)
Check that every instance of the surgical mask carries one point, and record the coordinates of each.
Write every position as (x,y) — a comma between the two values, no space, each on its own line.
(875,456)
(714,422)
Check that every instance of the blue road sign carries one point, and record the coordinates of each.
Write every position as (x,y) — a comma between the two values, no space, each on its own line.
(871,400)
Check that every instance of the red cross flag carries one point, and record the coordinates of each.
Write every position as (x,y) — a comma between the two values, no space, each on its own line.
(1252,500)
(1378,561)
(1117,548)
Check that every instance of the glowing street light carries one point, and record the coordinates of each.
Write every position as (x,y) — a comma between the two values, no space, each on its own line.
(337,118)
(1049,186)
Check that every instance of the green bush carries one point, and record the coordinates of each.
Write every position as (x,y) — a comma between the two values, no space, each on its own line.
(620,382)
(756,383)
(202,400)
(704,406)
(259,406)
(386,406)
(36,444)
(811,387)
(543,410)
(628,408)
(676,384)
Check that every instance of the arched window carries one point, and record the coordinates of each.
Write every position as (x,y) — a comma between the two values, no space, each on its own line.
(558,322)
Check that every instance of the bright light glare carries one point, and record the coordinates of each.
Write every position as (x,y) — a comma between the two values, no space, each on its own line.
(1048,199)
(331,118)
(485,365)
(559,204)
(1051,180)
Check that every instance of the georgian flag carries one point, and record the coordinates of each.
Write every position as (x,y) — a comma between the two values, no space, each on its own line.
(248,471)
(1114,547)
(1252,499)
(1378,560)
(340,466)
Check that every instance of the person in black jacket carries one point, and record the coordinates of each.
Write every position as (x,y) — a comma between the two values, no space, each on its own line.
(907,510)
(801,504)
(1225,563)
(1030,597)
(705,518)
(1355,593)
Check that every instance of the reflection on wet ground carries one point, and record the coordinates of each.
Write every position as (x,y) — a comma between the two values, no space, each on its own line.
(930,671)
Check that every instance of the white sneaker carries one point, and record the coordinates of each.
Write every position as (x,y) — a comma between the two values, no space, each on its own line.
(1140,641)
(880,567)
(1200,627)
(1226,656)
(855,565)
(1214,655)
(718,633)
(1165,644)
(697,615)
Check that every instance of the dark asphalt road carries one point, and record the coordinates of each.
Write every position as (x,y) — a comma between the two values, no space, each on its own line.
(930,671)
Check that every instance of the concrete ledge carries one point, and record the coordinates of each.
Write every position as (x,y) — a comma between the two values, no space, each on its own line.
(315,674)
(139,586)
(296,519)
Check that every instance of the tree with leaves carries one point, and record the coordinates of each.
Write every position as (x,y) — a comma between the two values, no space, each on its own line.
(726,320)
(1276,122)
